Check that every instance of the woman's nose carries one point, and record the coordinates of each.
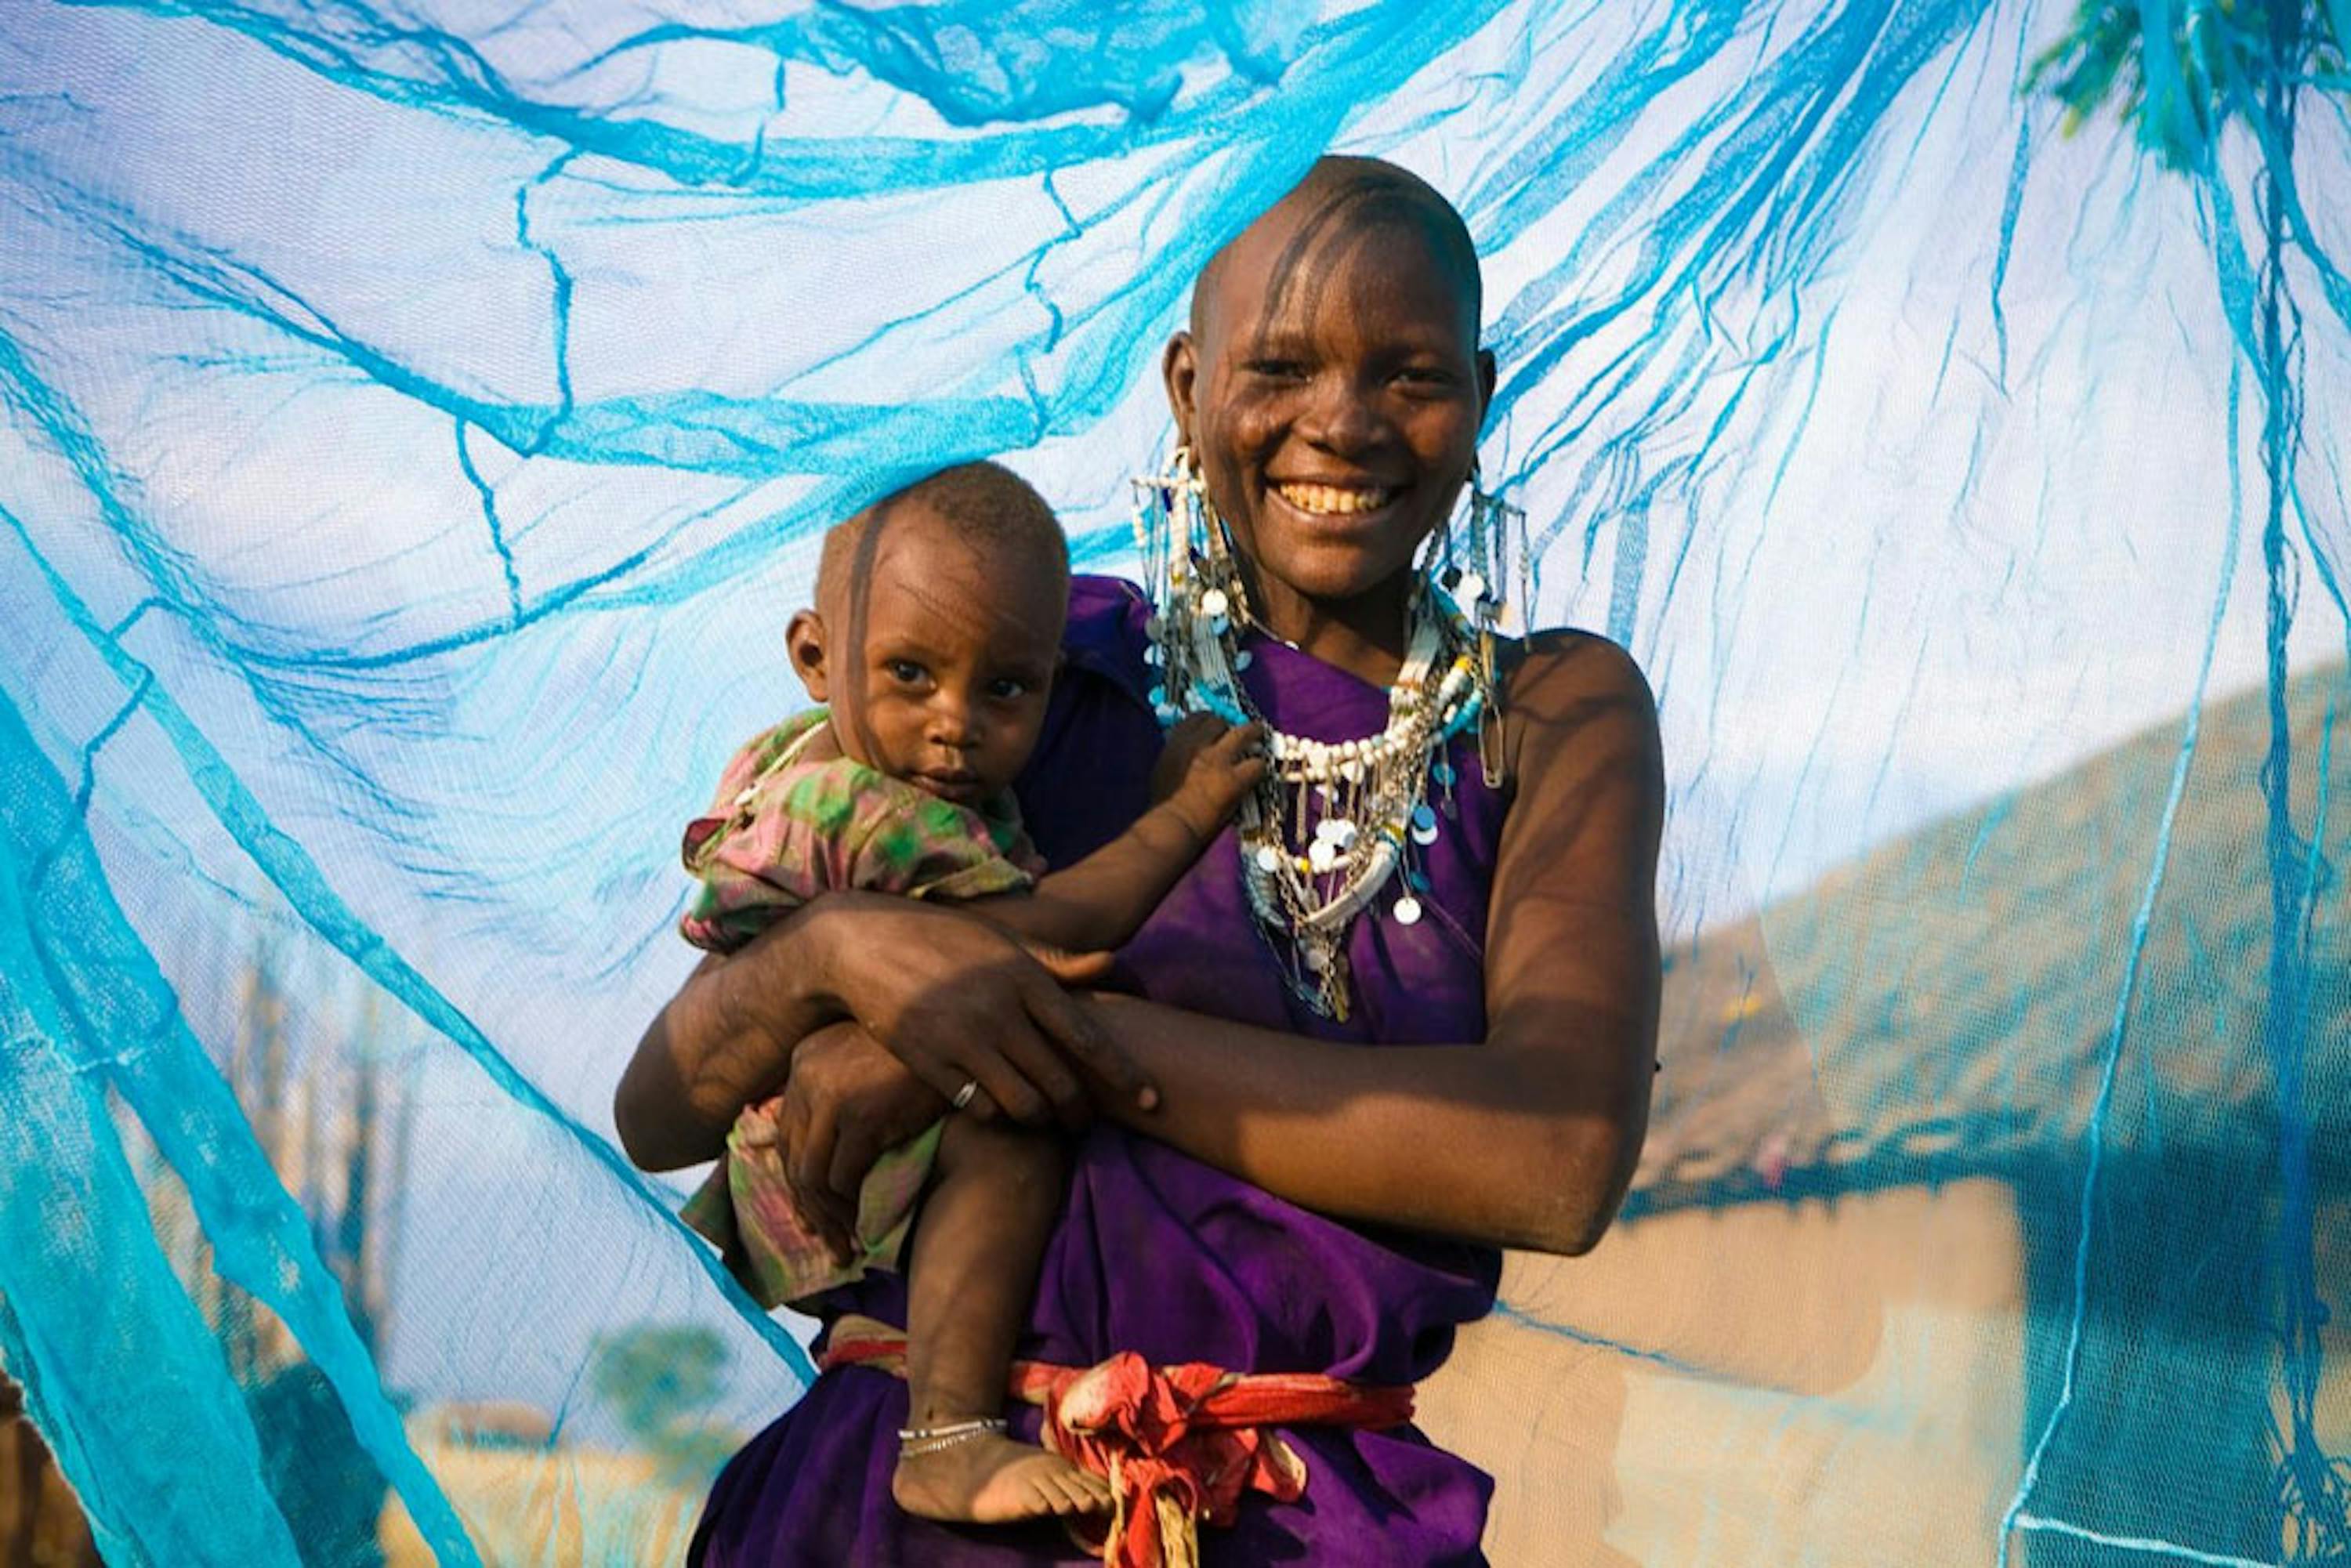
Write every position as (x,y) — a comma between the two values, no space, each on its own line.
(1341,415)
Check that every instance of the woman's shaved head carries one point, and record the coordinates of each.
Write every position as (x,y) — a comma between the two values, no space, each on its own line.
(1345,199)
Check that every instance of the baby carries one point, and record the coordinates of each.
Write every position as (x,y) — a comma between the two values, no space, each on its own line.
(933,642)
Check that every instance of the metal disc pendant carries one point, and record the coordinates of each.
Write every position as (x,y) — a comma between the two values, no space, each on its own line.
(1424,825)
(1269,859)
(1407,911)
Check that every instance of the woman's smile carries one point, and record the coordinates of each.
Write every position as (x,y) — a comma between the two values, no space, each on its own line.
(1329,500)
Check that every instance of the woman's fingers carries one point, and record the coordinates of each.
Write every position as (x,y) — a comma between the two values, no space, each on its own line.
(853,1153)
(807,1154)
(1037,1060)
(994,1046)
(946,1076)
(957,1003)
(1009,1087)
(1066,1021)
(807,1166)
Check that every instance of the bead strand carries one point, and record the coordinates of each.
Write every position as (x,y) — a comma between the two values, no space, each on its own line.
(1372,790)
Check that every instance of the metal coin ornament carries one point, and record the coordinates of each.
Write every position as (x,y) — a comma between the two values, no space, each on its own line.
(1332,822)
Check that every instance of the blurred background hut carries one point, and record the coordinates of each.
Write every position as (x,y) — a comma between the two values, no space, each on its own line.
(1976,1119)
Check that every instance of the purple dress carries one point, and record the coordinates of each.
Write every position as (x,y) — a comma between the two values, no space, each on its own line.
(1157,1253)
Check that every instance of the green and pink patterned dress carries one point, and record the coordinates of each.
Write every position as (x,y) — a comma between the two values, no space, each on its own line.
(786,827)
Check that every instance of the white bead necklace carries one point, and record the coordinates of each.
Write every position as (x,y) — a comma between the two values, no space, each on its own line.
(1333,822)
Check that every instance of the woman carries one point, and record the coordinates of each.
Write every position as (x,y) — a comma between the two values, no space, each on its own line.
(1263,1190)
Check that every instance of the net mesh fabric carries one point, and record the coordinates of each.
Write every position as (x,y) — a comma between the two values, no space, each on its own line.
(417,423)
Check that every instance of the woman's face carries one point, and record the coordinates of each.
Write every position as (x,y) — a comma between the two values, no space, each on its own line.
(1331,391)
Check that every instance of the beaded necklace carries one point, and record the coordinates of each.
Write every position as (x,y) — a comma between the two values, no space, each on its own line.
(1328,827)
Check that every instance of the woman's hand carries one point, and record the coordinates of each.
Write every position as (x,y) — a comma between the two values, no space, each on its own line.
(847,1102)
(959,1001)
(954,999)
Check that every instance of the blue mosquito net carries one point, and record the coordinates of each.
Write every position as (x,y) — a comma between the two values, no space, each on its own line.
(415,417)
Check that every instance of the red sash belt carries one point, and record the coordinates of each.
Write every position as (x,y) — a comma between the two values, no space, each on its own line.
(1178,1444)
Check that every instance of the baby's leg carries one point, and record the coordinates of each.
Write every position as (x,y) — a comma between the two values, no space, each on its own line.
(974,1269)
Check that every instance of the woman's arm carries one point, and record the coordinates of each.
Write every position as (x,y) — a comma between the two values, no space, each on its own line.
(1530,1139)
(1526,1139)
(956,998)
(724,1041)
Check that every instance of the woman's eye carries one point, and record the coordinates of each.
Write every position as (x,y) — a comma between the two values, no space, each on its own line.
(1278,370)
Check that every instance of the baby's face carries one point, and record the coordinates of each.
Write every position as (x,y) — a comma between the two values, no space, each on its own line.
(940,660)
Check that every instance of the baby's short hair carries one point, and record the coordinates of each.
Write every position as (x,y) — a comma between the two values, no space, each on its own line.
(983,504)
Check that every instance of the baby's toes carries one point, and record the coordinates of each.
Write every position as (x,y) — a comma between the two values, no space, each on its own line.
(1051,1494)
(1076,1491)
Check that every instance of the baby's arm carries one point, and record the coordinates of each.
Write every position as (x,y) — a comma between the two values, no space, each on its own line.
(1101,901)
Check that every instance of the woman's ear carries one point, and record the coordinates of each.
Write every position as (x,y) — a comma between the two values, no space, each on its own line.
(1485,384)
(804,642)
(1180,367)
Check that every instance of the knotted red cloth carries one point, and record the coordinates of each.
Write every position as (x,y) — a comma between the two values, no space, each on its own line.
(1178,1444)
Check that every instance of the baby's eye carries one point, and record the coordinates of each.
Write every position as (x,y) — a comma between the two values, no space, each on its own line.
(1008,688)
(905,672)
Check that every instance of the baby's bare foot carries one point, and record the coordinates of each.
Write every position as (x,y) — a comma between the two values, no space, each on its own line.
(992,1479)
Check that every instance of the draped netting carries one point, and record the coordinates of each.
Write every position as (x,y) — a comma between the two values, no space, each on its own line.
(417,420)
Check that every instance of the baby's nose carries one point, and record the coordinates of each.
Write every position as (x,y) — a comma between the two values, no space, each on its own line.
(954,723)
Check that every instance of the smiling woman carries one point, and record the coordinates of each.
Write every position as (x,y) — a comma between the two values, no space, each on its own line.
(1332,388)
(1441,935)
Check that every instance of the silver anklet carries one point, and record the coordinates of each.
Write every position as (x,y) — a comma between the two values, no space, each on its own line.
(916,1441)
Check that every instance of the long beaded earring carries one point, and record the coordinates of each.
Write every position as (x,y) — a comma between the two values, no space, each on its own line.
(1195,589)
(1474,577)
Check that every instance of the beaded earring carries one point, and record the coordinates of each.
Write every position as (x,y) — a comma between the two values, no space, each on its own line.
(1196,591)
(1474,577)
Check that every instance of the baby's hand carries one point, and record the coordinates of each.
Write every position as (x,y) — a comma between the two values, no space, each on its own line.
(1205,769)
